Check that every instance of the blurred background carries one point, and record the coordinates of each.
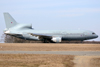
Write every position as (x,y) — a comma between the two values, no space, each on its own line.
(53,14)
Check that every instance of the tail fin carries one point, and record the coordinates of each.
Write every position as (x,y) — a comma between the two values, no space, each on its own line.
(10,22)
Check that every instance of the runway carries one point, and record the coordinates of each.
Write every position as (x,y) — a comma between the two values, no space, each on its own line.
(86,53)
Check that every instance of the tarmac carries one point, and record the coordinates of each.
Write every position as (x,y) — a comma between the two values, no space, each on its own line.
(79,53)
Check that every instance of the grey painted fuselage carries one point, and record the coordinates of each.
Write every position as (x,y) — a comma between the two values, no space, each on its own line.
(66,35)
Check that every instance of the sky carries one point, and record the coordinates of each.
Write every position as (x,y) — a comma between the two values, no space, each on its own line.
(54,14)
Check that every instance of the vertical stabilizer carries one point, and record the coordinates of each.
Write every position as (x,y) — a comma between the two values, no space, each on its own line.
(9,21)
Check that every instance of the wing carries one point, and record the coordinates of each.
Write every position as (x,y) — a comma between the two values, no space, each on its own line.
(41,35)
(53,38)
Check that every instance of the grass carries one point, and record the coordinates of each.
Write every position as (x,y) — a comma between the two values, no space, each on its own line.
(95,62)
(48,47)
(32,60)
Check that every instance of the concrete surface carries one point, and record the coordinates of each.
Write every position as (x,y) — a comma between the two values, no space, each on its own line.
(86,53)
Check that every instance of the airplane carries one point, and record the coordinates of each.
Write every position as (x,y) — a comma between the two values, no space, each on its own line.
(25,31)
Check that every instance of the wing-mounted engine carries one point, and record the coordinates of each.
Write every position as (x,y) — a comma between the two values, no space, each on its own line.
(56,39)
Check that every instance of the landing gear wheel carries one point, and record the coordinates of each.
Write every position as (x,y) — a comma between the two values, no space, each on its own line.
(46,41)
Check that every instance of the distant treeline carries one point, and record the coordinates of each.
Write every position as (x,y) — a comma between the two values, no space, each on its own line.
(12,39)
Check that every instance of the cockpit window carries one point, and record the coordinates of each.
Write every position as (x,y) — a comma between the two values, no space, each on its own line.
(93,33)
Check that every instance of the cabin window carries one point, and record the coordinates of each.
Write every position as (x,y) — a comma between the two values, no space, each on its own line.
(93,33)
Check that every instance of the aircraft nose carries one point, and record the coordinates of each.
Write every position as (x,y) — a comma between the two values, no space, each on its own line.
(96,36)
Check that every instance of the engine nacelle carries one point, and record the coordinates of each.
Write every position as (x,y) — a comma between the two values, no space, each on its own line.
(56,39)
